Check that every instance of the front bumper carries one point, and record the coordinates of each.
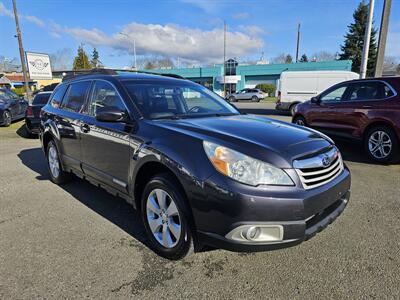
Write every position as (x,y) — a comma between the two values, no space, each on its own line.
(301,213)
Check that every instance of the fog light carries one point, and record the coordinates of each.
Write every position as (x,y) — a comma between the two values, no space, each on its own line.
(260,233)
(251,233)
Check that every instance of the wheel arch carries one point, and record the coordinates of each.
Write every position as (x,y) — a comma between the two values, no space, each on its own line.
(376,123)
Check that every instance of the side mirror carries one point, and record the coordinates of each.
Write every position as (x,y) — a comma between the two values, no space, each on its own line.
(315,100)
(110,114)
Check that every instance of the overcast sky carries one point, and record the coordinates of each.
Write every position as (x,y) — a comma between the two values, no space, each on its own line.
(189,29)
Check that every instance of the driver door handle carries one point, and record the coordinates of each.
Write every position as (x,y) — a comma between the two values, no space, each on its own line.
(85,128)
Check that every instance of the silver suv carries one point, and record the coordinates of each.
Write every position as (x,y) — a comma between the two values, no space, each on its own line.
(254,95)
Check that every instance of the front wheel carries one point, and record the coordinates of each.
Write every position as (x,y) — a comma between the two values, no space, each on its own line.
(7,118)
(299,120)
(232,99)
(166,218)
(381,144)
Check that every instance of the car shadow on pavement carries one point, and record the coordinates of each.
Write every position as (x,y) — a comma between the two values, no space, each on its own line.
(114,209)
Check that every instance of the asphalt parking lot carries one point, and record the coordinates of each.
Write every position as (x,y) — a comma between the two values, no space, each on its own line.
(77,241)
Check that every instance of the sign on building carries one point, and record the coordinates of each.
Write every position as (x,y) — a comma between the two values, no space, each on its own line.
(39,65)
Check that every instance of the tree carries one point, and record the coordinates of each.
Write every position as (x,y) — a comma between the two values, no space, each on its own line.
(149,66)
(398,69)
(288,59)
(303,58)
(61,59)
(354,41)
(279,59)
(95,61)
(324,56)
(81,61)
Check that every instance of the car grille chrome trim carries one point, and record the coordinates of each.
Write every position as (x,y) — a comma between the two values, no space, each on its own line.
(312,171)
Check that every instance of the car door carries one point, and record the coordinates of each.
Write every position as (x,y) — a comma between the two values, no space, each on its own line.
(14,106)
(105,145)
(363,97)
(241,95)
(68,119)
(323,113)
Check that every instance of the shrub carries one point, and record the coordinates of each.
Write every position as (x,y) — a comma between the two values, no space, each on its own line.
(267,88)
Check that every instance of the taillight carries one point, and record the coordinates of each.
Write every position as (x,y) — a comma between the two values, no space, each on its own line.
(29,111)
(279,96)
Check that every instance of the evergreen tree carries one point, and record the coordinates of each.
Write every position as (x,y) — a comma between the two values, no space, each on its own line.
(81,61)
(354,41)
(303,58)
(95,61)
(288,59)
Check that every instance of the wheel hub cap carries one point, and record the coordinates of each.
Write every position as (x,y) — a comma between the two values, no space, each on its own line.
(163,218)
(53,162)
(380,144)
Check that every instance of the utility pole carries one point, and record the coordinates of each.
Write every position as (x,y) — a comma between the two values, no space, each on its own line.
(21,52)
(367,37)
(382,38)
(298,42)
(224,57)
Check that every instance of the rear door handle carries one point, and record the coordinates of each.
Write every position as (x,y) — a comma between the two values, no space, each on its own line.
(85,128)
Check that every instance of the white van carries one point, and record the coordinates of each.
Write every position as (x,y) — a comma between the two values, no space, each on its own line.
(299,86)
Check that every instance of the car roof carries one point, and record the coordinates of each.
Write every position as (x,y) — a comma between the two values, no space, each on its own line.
(122,76)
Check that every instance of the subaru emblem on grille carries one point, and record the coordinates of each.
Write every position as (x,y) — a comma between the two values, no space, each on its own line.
(326,161)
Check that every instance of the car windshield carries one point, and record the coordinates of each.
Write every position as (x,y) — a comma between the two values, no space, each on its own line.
(164,100)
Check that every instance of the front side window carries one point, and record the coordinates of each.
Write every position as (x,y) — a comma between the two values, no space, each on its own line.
(75,98)
(335,95)
(165,100)
(104,95)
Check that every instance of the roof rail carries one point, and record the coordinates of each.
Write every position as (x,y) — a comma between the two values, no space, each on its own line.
(104,71)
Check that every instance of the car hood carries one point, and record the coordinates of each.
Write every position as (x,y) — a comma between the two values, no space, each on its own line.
(260,137)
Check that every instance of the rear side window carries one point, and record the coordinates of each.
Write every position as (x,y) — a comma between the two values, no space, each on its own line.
(57,96)
(104,95)
(41,99)
(75,98)
(370,91)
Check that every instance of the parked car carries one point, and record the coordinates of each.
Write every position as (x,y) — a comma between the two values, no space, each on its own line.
(199,172)
(254,95)
(32,113)
(366,110)
(296,87)
(12,107)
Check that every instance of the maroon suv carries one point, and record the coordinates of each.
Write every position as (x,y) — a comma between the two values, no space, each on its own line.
(367,110)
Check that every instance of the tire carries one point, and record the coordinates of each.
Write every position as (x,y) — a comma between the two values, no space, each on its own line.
(57,175)
(232,99)
(292,108)
(299,120)
(381,144)
(172,245)
(7,118)
(255,99)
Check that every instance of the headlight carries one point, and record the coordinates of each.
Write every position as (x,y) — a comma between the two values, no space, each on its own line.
(2,101)
(244,168)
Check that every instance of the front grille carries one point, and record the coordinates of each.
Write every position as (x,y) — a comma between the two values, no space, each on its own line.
(314,173)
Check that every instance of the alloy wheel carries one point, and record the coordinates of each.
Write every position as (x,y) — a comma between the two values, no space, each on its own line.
(7,118)
(380,144)
(163,218)
(300,122)
(54,164)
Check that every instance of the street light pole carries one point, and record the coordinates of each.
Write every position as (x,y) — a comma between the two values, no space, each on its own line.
(21,52)
(382,38)
(134,49)
(367,38)
(224,58)
(298,42)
